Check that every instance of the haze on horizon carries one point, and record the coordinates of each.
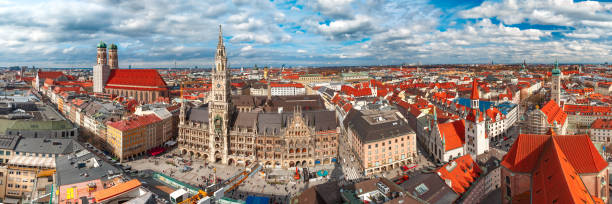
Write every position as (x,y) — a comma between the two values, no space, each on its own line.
(308,33)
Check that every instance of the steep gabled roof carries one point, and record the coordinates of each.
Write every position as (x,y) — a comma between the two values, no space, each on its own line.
(49,75)
(554,113)
(453,134)
(580,151)
(462,172)
(135,78)
(555,179)
(475,94)
(493,112)
(524,153)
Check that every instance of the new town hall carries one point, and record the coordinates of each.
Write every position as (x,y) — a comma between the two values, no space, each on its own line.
(279,131)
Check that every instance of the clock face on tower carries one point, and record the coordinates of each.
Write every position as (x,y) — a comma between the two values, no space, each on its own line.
(218,85)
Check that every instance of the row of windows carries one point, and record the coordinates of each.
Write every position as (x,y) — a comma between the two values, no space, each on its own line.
(33,154)
(7,153)
(389,142)
(390,160)
(10,185)
(383,150)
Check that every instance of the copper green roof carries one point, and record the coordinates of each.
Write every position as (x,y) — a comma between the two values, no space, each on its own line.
(113,47)
(556,71)
(101,45)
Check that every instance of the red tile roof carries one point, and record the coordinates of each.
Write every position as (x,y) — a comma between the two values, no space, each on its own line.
(462,172)
(347,107)
(67,88)
(474,115)
(296,85)
(526,151)
(27,78)
(453,134)
(602,124)
(587,110)
(102,195)
(134,122)
(554,177)
(136,79)
(49,75)
(554,113)
(493,113)
(475,95)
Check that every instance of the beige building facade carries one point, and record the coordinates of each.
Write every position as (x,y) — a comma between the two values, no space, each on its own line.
(226,132)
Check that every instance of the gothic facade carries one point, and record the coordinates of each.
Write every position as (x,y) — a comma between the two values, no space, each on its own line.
(246,131)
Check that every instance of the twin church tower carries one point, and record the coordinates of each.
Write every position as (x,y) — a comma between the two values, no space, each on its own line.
(104,65)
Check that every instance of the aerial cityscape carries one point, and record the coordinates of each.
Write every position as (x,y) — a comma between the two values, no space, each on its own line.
(314,101)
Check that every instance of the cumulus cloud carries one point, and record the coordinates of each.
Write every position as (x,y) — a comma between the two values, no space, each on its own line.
(246,48)
(157,32)
(559,12)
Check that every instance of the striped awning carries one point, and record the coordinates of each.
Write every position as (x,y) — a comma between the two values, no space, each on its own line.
(29,161)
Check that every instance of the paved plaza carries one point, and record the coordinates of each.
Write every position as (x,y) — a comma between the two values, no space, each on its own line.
(202,175)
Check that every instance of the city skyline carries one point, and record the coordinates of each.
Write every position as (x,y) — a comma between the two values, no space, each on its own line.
(307,33)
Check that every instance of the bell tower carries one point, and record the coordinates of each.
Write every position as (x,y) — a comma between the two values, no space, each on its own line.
(475,95)
(112,57)
(101,71)
(219,108)
(555,93)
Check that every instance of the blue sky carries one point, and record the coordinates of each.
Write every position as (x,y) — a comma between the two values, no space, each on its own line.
(305,32)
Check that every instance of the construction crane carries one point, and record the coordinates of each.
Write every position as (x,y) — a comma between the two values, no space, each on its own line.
(194,199)
(226,186)
(236,184)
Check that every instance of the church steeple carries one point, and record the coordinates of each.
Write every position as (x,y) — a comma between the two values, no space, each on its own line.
(220,108)
(556,71)
(556,84)
(220,43)
(220,55)
(475,94)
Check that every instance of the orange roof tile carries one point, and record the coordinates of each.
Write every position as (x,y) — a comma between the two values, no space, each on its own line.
(587,110)
(602,124)
(118,189)
(493,112)
(49,75)
(462,172)
(475,95)
(136,78)
(554,113)
(581,153)
(453,134)
(555,179)
(473,115)
(134,122)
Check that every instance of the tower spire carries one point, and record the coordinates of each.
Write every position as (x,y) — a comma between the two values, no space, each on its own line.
(435,115)
(220,36)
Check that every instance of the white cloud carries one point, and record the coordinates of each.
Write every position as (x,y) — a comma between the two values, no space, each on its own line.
(347,29)
(68,50)
(549,12)
(155,33)
(246,48)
